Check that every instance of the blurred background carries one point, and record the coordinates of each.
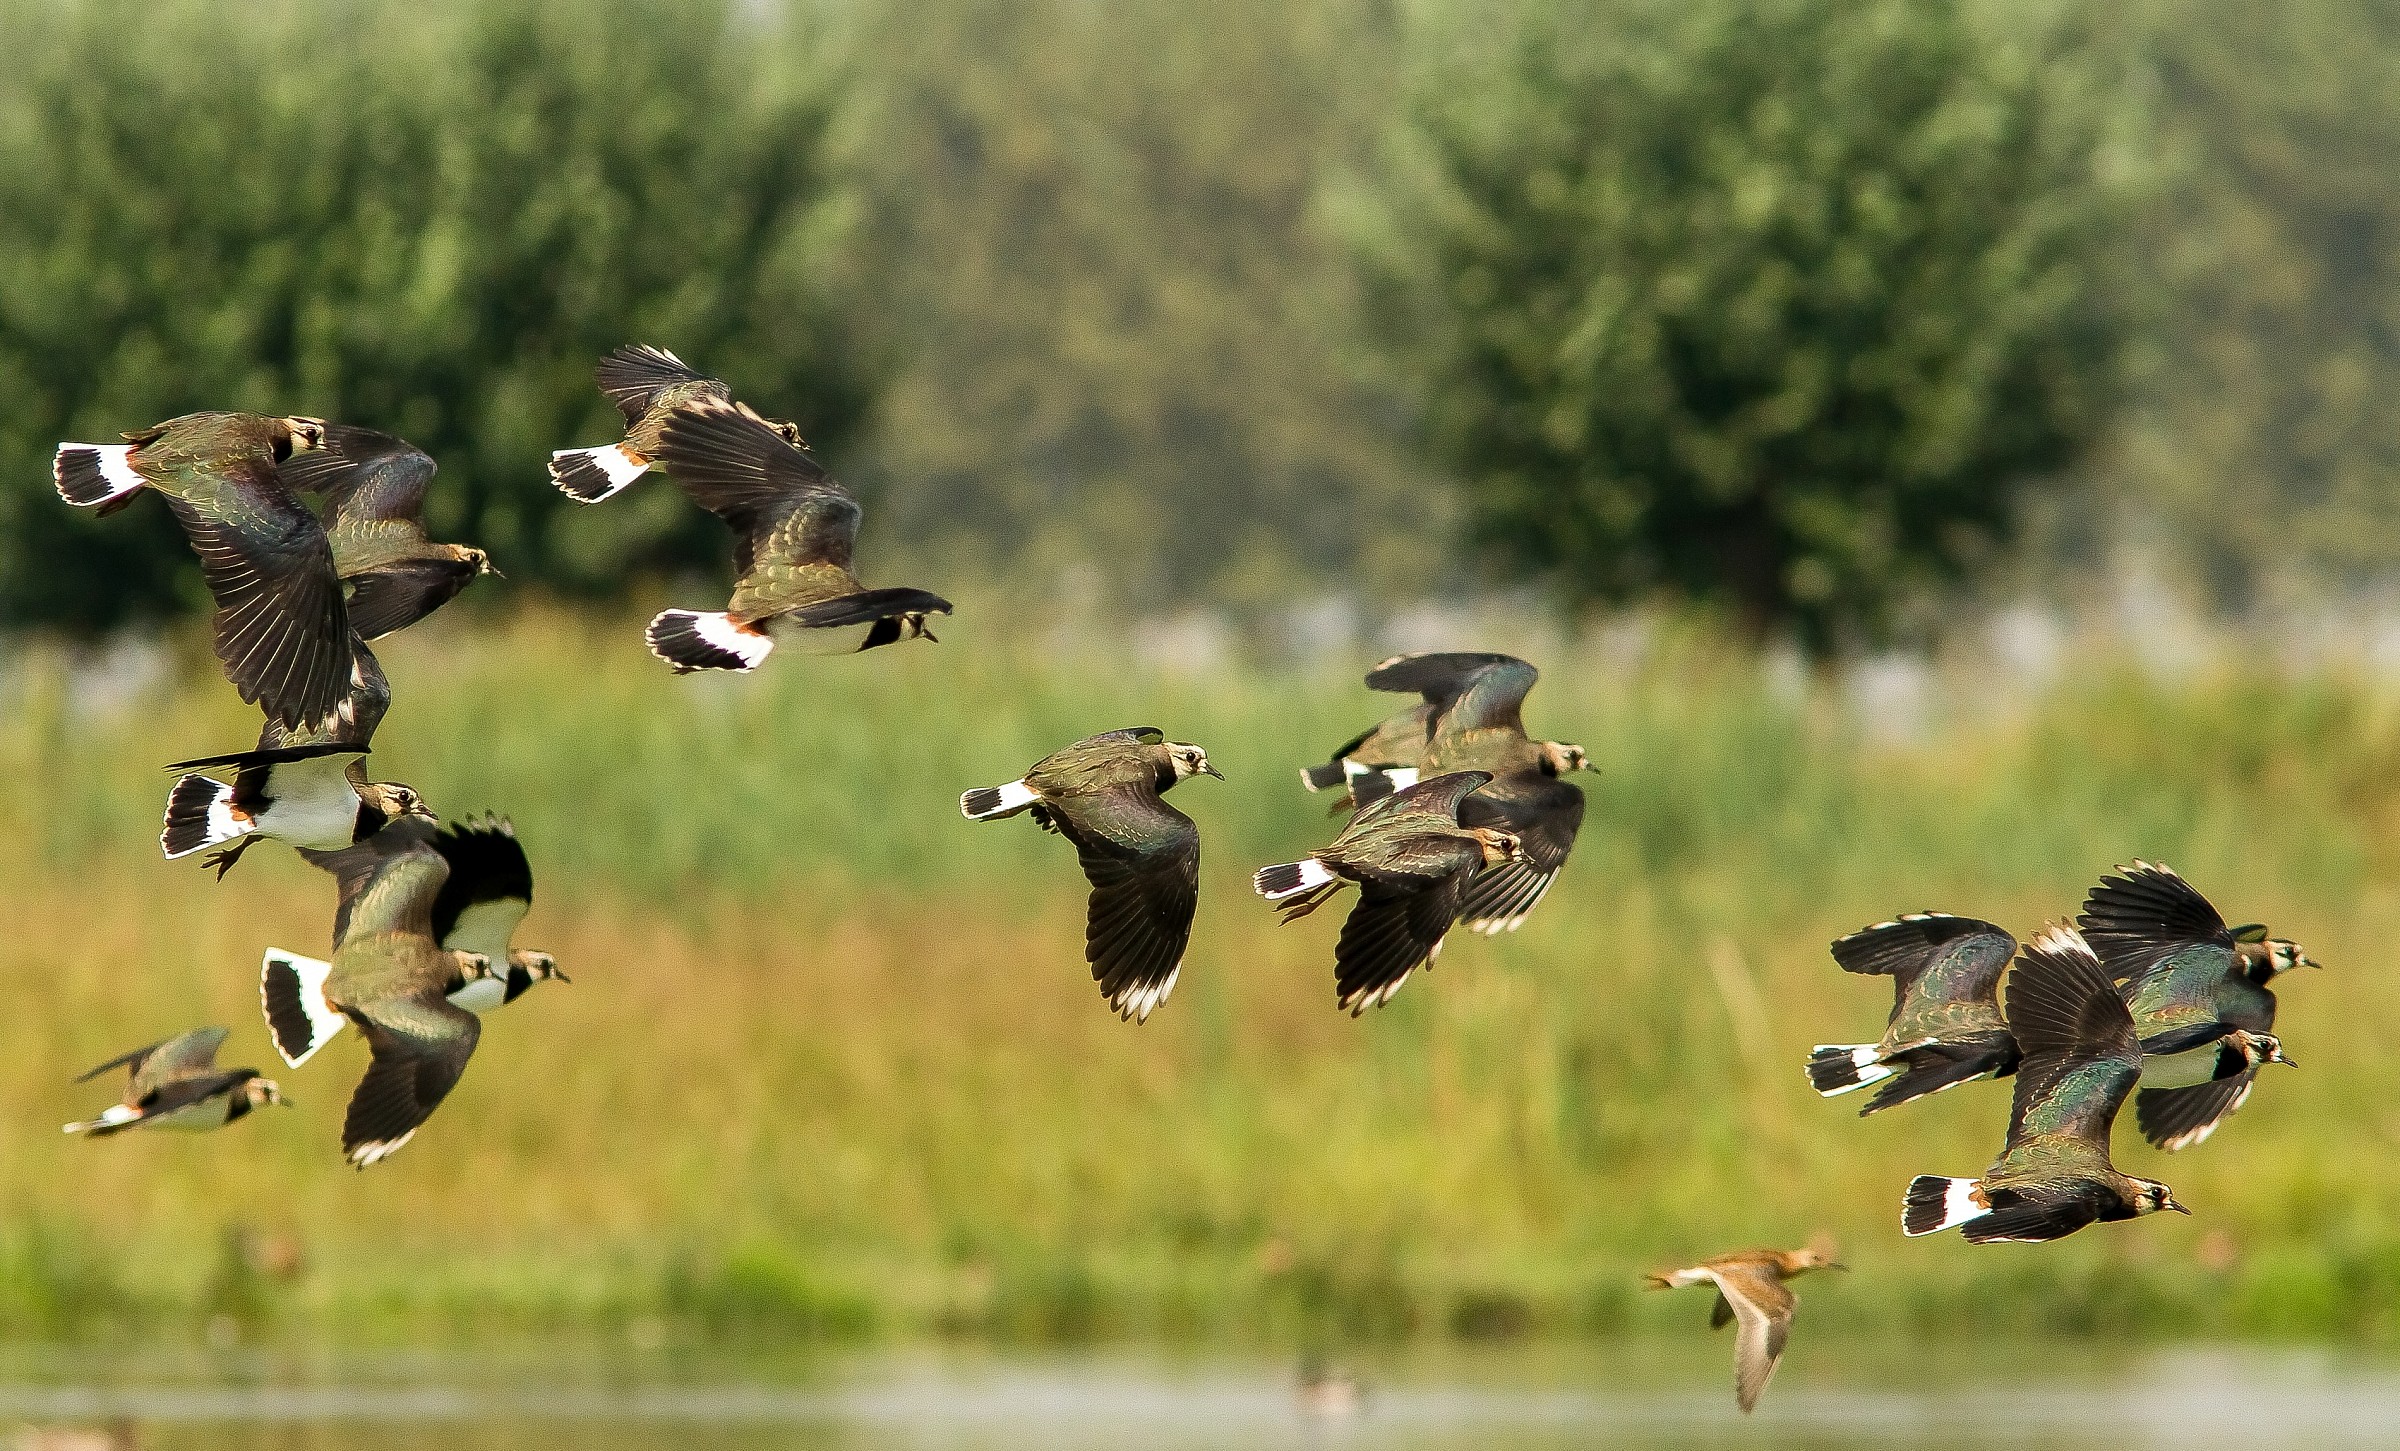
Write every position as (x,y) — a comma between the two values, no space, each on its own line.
(1934,451)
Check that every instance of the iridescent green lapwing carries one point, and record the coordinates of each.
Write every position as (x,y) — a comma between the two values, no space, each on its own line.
(374,486)
(282,630)
(316,797)
(1141,855)
(647,384)
(2199,991)
(1471,718)
(1414,862)
(794,529)
(1946,1026)
(1750,1289)
(176,1084)
(2054,1175)
(391,980)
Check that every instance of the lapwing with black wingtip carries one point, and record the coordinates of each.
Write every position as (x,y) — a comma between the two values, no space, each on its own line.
(1413,861)
(794,528)
(1946,1026)
(2199,996)
(176,1084)
(647,384)
(1471,718)
(282,631)
(374,486)
(1105,794)
(2054,1175)
(392,980)
(1750,1288)
(316,797)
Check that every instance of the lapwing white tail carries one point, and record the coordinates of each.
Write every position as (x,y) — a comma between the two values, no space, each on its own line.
(588,475)
(1835,1068)
(200,814)
(112,1118)
(1935,1204)
(1325,777)
(300,1020)
(96,474)
(990,803)
(693,640)
(1299,888)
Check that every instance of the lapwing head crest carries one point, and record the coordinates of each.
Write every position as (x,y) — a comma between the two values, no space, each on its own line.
(1560,758)
(1498,846)
(2271,957)
(2150,1196)
(395,800)
(1190,761)
(2263,1048)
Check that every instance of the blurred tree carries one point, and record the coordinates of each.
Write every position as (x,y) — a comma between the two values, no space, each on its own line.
(431,221)
(1773,303)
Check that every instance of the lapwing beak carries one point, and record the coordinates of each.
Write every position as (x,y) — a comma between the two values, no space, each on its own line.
(491,569)
(1213,771)
(2287,1058)
(557,976)
(2171,1204)
(927,632)
(1836,1265)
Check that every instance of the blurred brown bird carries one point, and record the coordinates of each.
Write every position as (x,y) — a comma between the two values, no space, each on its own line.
(1750,1289)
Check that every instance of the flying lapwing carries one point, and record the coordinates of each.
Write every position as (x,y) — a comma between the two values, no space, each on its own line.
(1471,718)
(1414,862)
(1750,1289)
(176,1084)
(794,528)
(1946,1027)
(316,797)
(647,384)
(282,630)
(2054,1175)
(390,979)
(1141,855)
(487,894)
(2198,991)
(374,488)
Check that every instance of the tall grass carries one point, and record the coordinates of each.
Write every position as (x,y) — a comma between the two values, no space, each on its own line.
(831,1063)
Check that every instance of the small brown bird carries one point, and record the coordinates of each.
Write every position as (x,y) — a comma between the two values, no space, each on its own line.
(1750,1289)
(177,1084)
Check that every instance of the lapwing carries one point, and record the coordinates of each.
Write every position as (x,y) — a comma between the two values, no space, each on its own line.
(2198,991)
(282,630)
(794,528)
(1471,718)
(1413,862)
(315,796)
(374,488)
(647,384)
(176,1084)
(1141,855)
(390,979)
(2081,1059)
(1946,1027)
(1750,1289)
(487,894)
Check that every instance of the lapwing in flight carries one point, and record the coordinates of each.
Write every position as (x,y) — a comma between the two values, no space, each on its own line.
(391,980)
(1750,1289)
(1414,862)
(374,488)
(2199,995)
(176,1084)
(317,797)
(2054,1175)
(1946,1026)
(1471,718)
(793,531)
(647,384)
(282,631)
(1141,855)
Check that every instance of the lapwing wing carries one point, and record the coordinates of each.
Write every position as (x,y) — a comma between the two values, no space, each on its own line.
(647,384)
(391,980)
(2199,995)
(176,1084)
(1750,1289)
(282,631)
(2081,1059)
(1413,862)
(1946,1026)
(1471,716)
(316,797)
(794,528)
(1142,856)
(373,486)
